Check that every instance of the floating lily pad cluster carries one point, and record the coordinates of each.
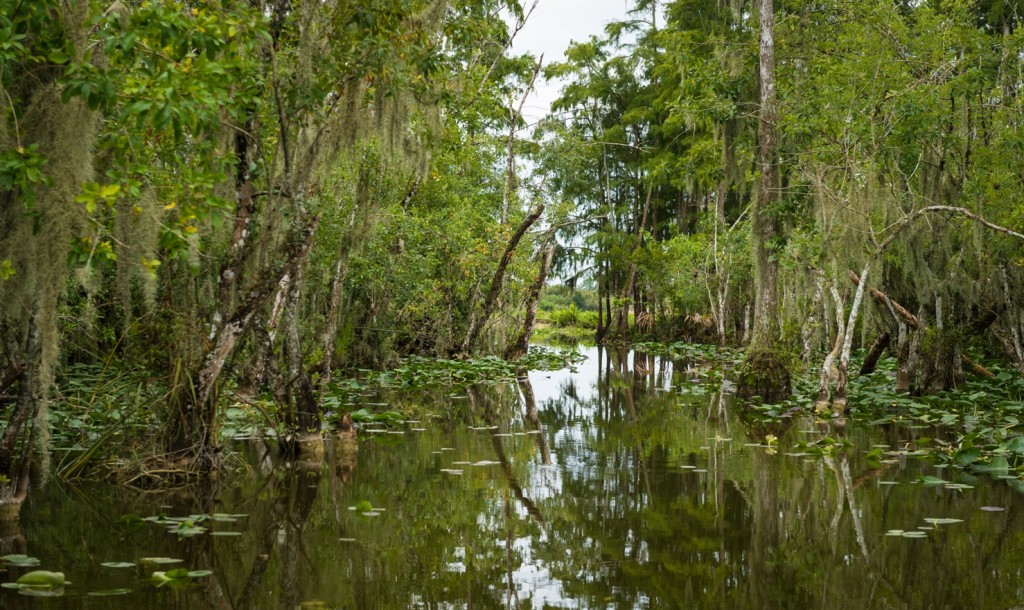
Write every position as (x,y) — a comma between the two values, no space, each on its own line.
(922,530)
(426,372)
(184,527)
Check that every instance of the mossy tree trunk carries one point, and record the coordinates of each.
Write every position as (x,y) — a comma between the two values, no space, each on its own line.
(764,371)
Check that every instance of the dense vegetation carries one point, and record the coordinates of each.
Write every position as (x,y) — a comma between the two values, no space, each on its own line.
(270,192)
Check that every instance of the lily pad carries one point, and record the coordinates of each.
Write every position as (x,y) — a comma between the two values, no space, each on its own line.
(22,561)
(160,560)
(992,509)
(942,520)
(109,592)
(118,564)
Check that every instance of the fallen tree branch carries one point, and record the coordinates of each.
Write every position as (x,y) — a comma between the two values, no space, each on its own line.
(907,317)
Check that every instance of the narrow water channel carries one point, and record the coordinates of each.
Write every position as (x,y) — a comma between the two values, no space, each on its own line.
(628,483)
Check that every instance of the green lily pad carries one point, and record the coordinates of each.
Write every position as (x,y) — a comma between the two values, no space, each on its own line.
(22,561)
(118,564)
(160,560)
(109,592)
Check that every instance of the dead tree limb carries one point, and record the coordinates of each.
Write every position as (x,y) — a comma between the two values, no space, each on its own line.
(904,314)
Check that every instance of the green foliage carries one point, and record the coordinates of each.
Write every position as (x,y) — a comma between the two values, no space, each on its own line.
(573,316)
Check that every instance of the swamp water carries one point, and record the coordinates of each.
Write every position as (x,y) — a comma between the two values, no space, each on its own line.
(623,485)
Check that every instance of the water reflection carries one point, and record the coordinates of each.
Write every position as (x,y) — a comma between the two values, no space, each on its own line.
(622,485)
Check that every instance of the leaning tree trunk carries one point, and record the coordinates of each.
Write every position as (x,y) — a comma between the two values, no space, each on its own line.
(839,400)
(478,322)
(519,347)
(764,372)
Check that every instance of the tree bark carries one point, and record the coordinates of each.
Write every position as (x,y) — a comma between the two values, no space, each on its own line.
(477,323)
(839,400)
(828,366)
(763,372)
(807,332)
(518,348)
(875,353)
(304,416)
(900,311)
(194,403)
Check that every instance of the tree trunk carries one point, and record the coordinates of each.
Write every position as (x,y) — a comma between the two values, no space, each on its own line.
(330,335)
(903,381)
(810,324)
(304,416)
(875,353)
(190,429)
(519,347)
(763,372)
(828,367)
(839,400)
(477,323)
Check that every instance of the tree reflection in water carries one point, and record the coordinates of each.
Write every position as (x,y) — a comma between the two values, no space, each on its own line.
(624,485)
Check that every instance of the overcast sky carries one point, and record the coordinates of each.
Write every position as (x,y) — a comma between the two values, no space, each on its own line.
(549,30)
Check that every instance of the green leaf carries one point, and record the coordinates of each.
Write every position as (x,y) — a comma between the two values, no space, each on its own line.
(58,56)
(1015,444)
(967,456)
(998,466)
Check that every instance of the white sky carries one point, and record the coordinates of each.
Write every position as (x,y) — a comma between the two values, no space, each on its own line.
(549,30)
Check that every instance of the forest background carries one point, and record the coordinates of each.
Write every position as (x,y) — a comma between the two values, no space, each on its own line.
(260,195)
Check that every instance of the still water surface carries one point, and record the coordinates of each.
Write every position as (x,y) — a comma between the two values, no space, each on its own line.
(622,485)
